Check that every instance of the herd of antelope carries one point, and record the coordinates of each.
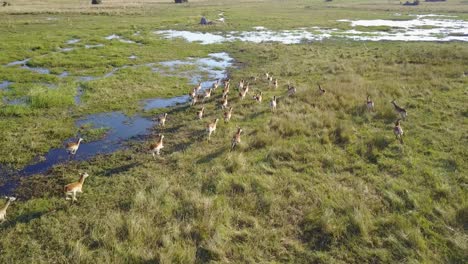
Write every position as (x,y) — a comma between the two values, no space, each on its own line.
(197,96)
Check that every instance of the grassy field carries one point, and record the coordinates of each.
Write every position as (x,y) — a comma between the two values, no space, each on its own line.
(321,180)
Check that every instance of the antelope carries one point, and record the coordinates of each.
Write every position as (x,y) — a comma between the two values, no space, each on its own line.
(194,100)
(273,104)
(321,90)
(291,90)
(162,119)
(369,104)
(399,110)
(258,97)
(216,84)
(270,79)
(72,147)
(227,82)
(5,207)
(226,90)
(236,139)
(157,146)
(198,87)
(73,188)
(200,113)
(211,127)
(398,131)
(224,102)
(276,83)
(243,93)
(207,94)
(227,115)
(267,75)
(241,85)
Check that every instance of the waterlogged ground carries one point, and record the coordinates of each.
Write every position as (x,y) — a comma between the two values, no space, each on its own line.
(321,179)
(422,28)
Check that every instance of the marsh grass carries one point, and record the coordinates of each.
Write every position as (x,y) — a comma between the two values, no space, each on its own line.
(320,180)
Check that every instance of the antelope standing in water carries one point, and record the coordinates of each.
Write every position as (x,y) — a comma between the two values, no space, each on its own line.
(156,146)
(200,113)
(291,90)
(72,147)
(398,131)
(258,97)
(273,104)
(227,115)
(236,139)
(211,127)
(162,120)
(5,207)
(73,188)
(369,104)
(400,110)
(321,90)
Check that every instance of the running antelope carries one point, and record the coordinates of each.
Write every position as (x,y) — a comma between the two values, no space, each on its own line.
(398,131)
(227,82)
(227,115)
(241,85)
(242,94)
(72,147)
(369,104)
(236,139)
(321,90)
(273,104)
(5,207)
(211,127)
(194,100)
(291,90)
(162,119)
(198,87)
(216,84)
(73,188)
(207,94)
(226,90)
(399,110)
(224,102)
(156,146)
(258,97)
(200,113)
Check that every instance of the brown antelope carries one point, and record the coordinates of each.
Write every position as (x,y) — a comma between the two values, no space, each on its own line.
(398,131)
(258,97)
(291,90)
(200,113)
(211,127)
(227,82)
(224,102)
(73,188)
(273,104)
(270,79)
(276,83)
(207,94)
(194,100)
(193,93)
(72,147)
(216,84)
(5,207)
(399,110)
(321,90)
(162,119)
(226,90)
(156,146)
(241,85)
(242,94)
(198,87)
(267,75)
(369,104)
(227,115)
(236,139)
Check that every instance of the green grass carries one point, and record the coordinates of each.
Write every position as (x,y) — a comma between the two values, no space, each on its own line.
(321,180)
